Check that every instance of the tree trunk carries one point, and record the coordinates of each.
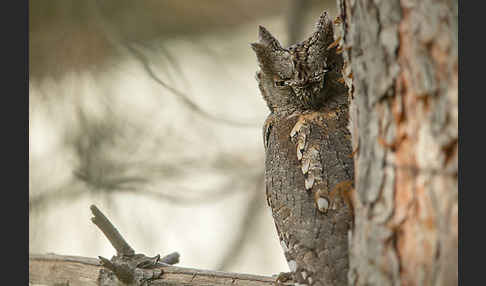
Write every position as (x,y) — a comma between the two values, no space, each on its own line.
(402,73)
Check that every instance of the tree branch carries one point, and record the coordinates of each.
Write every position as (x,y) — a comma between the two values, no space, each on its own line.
(117,39)
(115,238)
(51,269)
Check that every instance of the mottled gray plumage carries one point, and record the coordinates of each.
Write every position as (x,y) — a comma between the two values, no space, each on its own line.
(308,161)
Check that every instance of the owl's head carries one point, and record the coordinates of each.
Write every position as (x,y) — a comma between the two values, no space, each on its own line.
(295,78)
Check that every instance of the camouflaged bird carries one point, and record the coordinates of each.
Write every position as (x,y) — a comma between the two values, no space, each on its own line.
(309,168)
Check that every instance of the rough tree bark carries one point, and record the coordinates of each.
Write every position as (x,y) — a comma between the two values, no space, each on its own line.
(403,77)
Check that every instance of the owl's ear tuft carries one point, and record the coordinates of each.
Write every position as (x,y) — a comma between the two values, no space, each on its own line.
(260,51)
(323,32)
(265,38)
(264,56)
(323,22)
(319,41)
(272,58)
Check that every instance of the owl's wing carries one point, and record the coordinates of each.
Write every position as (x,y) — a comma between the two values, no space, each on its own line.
(307,156)
(324,151)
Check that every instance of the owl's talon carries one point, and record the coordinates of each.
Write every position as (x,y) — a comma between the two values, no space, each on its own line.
(283,277)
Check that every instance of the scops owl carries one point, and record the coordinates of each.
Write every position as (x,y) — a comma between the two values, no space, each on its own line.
(308,155)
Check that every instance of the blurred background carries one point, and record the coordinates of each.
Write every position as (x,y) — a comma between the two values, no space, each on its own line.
(150,110)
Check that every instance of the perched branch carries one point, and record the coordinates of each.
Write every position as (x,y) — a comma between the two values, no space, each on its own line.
(133,269)
(51,269)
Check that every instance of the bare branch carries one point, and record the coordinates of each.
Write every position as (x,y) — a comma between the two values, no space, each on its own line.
(182,96)
(115,238)
(206,197)
(230,188)
(118,40)
(51,269)
(54,269)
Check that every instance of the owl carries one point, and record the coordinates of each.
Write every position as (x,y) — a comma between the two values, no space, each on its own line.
(309,169)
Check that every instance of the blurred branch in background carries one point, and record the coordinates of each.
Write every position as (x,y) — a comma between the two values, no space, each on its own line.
(185,98)
(68,26)
(64,36)
(116,38)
